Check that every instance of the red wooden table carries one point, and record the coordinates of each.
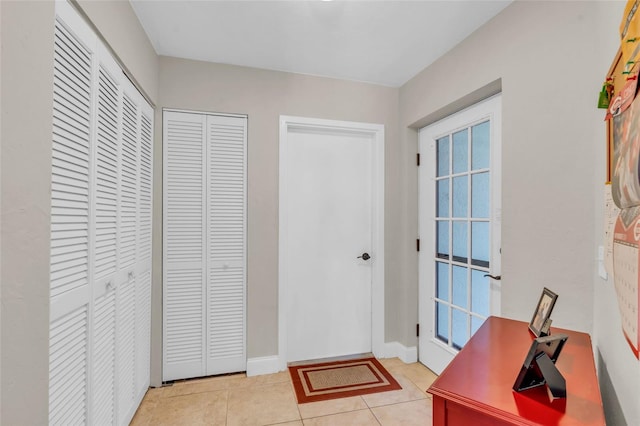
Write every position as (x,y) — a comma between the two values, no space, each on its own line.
(476,387)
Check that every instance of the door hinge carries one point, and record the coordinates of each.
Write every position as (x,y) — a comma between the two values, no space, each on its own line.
(417,330)
(418,244)
(417,159)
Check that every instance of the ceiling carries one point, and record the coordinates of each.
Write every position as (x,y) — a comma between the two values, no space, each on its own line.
(382,42)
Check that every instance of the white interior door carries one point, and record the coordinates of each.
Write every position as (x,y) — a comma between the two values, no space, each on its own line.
(459,225)
(329,228)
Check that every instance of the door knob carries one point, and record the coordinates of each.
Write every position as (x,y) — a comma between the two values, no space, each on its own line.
(365,256)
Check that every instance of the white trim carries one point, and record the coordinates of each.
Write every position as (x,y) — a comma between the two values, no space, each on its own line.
(408,355)
(198,112)
(377,224)
(263,365)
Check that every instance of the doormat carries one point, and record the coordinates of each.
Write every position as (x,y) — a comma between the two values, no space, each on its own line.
(340,379)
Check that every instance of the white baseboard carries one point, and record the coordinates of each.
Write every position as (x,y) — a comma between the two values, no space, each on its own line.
(263,365)
(397,349)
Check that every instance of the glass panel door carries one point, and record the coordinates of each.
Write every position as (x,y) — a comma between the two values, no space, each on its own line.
(459,228)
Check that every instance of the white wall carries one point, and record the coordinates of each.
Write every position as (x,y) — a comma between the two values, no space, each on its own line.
(264,96)
(550,59)
(27,99)
(119,26)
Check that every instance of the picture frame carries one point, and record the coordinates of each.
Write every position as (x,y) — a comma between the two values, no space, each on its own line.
(540,321)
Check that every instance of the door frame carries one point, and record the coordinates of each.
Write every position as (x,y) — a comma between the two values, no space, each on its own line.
(376,132)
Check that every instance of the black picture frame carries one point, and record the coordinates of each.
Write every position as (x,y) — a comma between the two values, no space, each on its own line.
(540,322)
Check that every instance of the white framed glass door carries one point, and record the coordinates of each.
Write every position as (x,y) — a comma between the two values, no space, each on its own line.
(459,225)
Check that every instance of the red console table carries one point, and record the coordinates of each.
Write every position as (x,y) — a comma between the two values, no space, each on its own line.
(476,387)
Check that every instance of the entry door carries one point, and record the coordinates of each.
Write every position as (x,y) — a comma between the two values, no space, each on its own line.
(459,221)
(328,242)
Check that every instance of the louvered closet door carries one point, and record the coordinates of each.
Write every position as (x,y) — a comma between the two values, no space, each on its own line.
(106,201)
(183,240)
(143,271)
(126,291)
(101,202)
(70,213)
(226,155)
(204,244)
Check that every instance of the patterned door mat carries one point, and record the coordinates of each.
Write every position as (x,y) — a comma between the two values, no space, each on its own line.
(340,379)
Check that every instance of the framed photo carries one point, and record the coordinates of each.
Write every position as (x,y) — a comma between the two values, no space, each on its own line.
(540,321)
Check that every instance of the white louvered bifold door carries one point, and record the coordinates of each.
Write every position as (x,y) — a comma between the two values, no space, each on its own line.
(226,189)
(183,240)
(204,244)
(143,269)
(106,201)
(101,202)
(70,213)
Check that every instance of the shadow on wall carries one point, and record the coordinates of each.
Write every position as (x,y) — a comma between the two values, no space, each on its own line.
(612,409)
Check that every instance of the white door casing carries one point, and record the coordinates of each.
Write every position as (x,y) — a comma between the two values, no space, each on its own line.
(452,276)
(331,212)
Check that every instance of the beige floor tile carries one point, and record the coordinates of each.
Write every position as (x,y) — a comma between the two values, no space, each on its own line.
(295,423)
(207,408)
(208,384)
(415,413)
(409,392)
(391,362)
(353,418)
(154,394)
(144,413)
(267,379)
(420,375)
(332,406)
(262,405)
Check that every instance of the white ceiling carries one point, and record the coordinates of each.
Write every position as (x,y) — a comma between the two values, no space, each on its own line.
(383,42)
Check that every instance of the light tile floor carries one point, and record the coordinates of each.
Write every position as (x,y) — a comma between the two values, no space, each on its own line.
(239,400)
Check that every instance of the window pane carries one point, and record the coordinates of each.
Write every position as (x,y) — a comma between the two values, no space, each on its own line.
(459,331)
(442,289)
(460,151)
(479,293)
(460,241)
(480,146)
(460,286)
(443,156)
(475,324)
(460,196)
(443,239)
(443,198)
(480,195)
(442,320)
(479,244)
